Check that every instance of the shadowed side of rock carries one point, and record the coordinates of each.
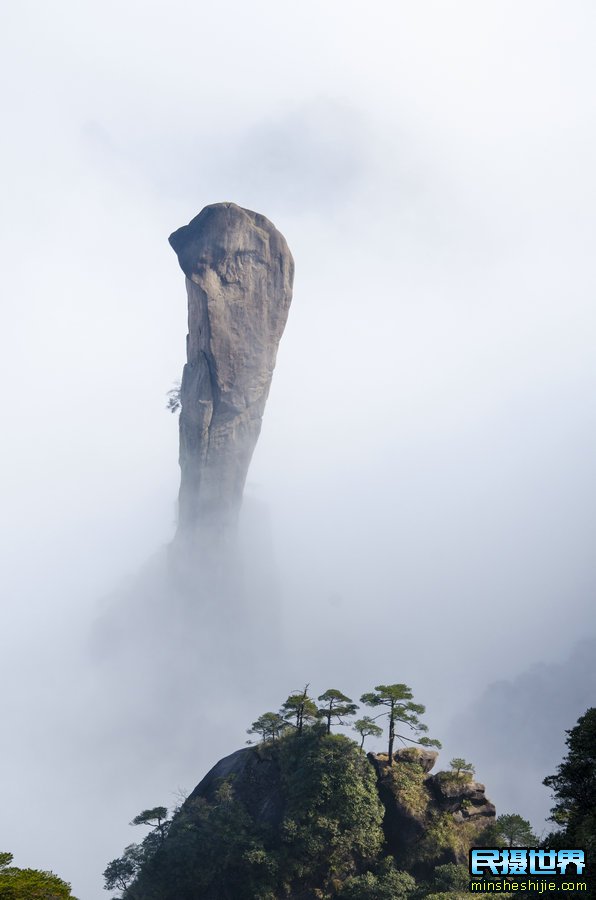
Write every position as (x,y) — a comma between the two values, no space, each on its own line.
(239,275)
(256,778)
(429,819)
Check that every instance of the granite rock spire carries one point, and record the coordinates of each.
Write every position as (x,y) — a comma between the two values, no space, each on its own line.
(239,274)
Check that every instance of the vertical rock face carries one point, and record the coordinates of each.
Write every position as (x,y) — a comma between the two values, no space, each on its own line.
(239,273)
(419,806)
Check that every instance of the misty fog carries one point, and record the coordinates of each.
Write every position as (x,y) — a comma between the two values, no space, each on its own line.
(420,507)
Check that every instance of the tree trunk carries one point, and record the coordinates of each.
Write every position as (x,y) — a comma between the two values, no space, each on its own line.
(391,736)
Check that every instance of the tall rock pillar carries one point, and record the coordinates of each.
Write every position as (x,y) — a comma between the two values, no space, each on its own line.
(239,274)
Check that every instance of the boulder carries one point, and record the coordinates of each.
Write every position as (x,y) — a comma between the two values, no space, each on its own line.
(458,795)
(424,758)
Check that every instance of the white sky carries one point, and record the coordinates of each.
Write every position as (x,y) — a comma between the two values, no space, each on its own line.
(427,458)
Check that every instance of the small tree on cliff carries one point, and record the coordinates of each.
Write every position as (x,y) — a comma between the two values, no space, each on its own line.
(270,726)
(336,706)
(299,709)
(513,831)
(174,403)
(156,818)
(367,727)
(461,768)
(121,872)
(397,698)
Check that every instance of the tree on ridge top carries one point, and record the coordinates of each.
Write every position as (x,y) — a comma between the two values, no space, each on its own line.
(301,707)
(397,698)
(156,818)
(367,727)
(270,726)
(337,706)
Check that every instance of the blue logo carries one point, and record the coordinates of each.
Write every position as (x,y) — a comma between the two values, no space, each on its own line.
(526,861)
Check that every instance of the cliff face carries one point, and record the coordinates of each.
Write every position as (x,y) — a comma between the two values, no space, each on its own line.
(239,274)
(256,780)
(429,819)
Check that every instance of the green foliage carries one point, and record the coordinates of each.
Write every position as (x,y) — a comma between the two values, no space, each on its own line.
(336,707)
(367,727)
(121,872)
(333,813)
(461,768)
(270,726)
(443,835)
(304,817)
(454,895)
(155,817)
(450,877)
(331,829)
(510,830)
(300,709)
(407,784)
(30,884)
(386,884)
(574,789)
(211,847)
(397,698)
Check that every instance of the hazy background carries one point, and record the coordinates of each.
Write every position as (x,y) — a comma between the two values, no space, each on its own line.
(424,481)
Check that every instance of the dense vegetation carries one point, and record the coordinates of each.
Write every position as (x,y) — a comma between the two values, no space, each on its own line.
(574,792)
(328,844)
(304,818)
(30,884)
(325,839)
(331,828)
(395,702)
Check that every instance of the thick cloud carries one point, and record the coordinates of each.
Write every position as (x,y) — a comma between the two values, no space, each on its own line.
(517,727)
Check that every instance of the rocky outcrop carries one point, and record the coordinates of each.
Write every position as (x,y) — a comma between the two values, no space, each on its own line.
(464,799)
(256,779)
(239,275)
(424,759)
(415,802)
(429,819)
